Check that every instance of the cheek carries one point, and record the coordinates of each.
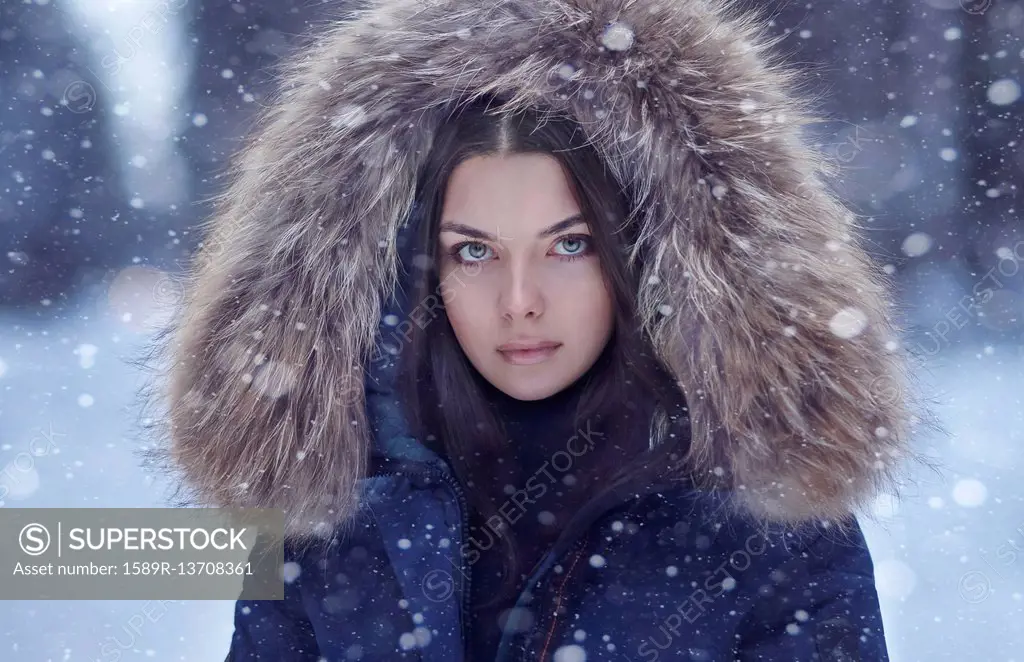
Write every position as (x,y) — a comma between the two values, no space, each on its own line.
(585,297)
(466,304)
(588,319)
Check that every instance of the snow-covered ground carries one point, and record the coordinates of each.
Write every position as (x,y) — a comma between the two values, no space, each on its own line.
(949,557)
(68,434)
(946,556)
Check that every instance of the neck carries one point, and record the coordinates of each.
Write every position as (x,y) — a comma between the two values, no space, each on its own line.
(514,410)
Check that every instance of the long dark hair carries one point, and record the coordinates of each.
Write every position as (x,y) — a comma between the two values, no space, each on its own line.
(626,388)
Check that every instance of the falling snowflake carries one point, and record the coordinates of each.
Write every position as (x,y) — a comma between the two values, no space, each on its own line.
(1004,92)
(848,323)
(917,244)
(571,653)
(274,379)
(290,571)
(617,37)
(894,578)
(1005,253)
(418,638)
(565,71)
(349,116)
(969,492)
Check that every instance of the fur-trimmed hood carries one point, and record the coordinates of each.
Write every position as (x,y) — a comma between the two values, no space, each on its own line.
(758,296)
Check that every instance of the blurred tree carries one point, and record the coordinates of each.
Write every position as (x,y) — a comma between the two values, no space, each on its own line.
(62,215)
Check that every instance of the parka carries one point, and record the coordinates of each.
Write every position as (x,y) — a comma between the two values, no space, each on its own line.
(757,294)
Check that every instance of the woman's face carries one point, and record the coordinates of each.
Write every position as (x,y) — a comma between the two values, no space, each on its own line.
(521,282)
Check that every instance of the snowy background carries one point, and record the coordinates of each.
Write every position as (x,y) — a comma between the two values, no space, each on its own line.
(117,115)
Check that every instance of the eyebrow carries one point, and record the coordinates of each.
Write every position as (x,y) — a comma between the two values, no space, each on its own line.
(476,233)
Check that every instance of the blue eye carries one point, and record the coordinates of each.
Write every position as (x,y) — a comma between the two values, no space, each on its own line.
(476,252)
(576,245)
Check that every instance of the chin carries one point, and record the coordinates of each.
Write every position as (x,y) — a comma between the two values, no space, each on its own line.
(534,389)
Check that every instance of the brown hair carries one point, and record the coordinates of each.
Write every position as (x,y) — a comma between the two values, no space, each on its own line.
(627,386)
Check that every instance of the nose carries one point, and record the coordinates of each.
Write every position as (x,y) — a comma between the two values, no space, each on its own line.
(521,297)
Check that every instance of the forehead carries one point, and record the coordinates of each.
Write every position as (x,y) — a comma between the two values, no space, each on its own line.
(524,191)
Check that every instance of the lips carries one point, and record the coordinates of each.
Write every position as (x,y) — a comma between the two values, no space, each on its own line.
(523,345)
(528,353)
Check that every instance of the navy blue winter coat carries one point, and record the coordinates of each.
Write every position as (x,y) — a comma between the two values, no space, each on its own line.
(655,577)
(756,294)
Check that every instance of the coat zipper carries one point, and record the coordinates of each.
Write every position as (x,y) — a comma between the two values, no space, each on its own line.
(464,622)
(522,653)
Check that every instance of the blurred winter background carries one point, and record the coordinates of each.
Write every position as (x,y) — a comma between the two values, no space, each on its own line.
(115,121)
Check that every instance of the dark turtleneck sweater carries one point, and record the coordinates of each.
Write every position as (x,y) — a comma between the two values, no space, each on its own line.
(536,431)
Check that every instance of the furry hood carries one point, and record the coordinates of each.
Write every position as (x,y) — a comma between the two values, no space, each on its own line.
(757,294)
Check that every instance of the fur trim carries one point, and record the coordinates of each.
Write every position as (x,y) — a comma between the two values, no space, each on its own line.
(758,296)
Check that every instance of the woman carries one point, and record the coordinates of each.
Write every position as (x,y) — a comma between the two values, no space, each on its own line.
(633,373)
